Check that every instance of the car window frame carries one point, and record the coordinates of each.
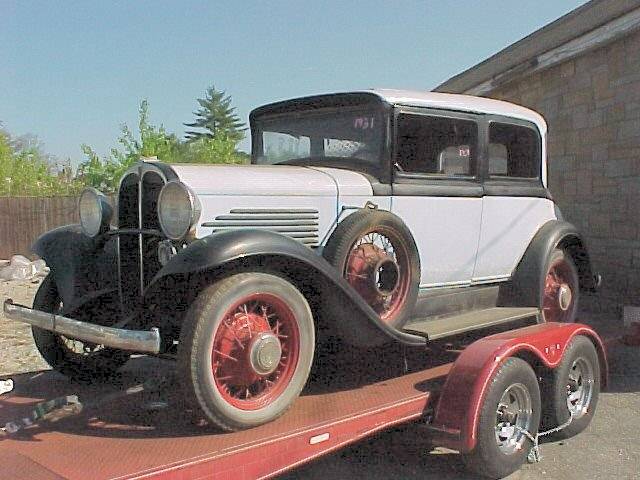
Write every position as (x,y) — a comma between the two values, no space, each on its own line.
(490,119)
(426,184)
(433,112)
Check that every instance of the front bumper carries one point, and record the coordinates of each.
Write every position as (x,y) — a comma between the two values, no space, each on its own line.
(141,341)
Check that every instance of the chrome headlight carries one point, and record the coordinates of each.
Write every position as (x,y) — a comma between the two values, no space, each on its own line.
(178,210)
(95,211)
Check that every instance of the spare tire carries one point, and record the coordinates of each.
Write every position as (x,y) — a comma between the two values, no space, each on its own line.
(375,252)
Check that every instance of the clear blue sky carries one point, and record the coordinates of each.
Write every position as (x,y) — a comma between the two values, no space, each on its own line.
(72,72)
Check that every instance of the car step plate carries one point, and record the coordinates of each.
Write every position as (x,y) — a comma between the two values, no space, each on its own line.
(436,328)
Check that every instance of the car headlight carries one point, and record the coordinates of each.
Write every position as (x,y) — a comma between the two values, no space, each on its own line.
(95,211)
(178,210)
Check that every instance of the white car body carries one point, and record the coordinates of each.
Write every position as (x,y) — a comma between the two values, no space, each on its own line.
(461,241)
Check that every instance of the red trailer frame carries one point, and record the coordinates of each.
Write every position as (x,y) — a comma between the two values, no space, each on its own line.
(103,446)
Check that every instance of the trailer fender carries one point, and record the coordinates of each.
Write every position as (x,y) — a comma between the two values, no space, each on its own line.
(236,250)
(456,416)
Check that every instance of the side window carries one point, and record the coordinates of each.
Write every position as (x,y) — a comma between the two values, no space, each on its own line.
(514,151)
(436,145)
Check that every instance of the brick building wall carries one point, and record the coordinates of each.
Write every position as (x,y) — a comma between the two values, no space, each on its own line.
(592,106)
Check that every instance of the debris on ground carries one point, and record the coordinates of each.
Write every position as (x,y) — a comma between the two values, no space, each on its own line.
(21,268)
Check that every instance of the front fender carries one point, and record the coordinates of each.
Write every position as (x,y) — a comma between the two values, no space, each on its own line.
(82,268)
(254,247)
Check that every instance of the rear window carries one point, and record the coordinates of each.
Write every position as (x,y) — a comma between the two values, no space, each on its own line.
(514,151)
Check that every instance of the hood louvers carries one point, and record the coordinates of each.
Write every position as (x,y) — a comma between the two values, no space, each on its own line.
(299,224)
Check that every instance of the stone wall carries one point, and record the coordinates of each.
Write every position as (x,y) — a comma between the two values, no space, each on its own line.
(592,106)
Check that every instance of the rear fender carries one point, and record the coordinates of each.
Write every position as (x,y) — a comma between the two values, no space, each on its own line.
(236,250)
(457,413)
(527,283)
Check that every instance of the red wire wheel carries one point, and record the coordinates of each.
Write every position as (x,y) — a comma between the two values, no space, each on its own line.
(255,351)
(246,348)
(376,254)
(378,268)
(561,289)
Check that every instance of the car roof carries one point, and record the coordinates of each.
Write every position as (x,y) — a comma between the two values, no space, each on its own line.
(465,103)
(413,98)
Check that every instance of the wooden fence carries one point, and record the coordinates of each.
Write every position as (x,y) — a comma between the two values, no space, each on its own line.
(23,219)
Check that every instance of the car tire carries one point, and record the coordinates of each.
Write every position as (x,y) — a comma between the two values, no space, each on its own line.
(56,349)
(359,249)
(560,288)
(233,370)
(574,388)
(501,450)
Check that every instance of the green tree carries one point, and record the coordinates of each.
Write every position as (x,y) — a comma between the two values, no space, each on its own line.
(216,117)
(25,171)
(219,149)
(154,141)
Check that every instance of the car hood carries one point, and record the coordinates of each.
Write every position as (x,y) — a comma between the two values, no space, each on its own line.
(271,180)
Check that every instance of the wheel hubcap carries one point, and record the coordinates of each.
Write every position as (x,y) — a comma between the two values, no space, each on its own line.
(513,417)
(580,387)
(265,353)
(564,297)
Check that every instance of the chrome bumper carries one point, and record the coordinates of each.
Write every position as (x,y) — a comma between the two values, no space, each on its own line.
(133,340)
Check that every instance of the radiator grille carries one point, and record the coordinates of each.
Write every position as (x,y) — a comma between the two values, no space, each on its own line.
(137,253)
(299,224)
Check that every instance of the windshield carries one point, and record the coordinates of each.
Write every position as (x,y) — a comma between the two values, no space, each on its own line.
(325,137)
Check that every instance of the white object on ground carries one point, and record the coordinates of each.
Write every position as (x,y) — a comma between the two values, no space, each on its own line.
(21,268)
(6,386)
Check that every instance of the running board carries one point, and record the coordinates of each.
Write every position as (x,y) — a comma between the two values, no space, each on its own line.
(441,327)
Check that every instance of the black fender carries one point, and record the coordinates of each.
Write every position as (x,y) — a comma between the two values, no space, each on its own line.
(238,250)
(527,283)
(82,268)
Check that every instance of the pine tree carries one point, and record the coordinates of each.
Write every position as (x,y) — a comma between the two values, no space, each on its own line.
(217,117)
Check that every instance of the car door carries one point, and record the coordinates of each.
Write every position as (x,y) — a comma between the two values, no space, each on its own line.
(516,202)
(436,191)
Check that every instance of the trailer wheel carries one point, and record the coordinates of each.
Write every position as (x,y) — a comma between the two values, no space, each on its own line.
(375,252)
(246,348)
(511,406)
(561,288)
(81,361)
(574,389)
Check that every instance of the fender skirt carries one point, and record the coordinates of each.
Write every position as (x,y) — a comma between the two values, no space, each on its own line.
(457,413)
(247,248)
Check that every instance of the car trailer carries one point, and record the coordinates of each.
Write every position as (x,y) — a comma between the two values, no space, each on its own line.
(111,436)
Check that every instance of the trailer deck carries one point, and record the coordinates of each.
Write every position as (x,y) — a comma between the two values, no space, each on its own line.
(123,440)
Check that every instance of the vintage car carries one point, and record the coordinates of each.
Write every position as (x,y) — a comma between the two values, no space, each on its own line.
(379,216)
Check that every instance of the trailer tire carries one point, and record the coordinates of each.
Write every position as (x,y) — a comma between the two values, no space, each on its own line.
(246,349)
(575,381)
(496,456)
(86,367)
